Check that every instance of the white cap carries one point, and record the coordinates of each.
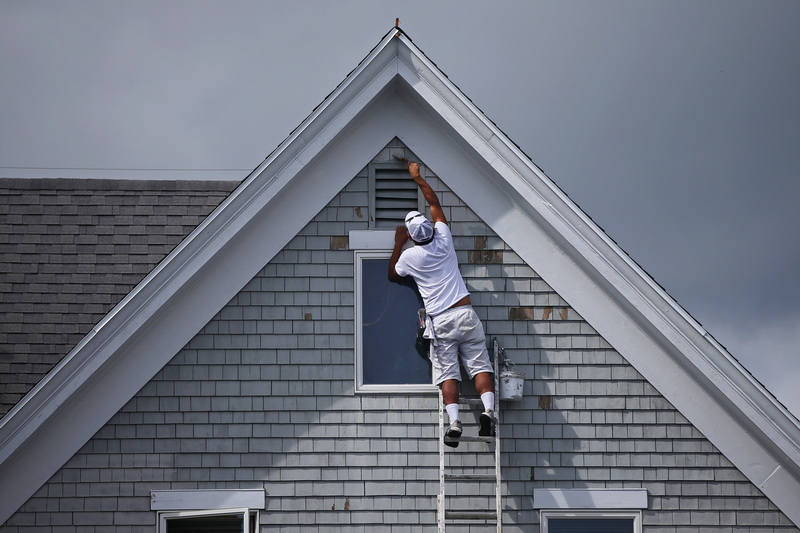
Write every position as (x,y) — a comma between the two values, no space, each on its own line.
(419,228)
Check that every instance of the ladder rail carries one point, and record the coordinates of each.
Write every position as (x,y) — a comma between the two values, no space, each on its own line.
(440,498)
(442,514)
(498,484)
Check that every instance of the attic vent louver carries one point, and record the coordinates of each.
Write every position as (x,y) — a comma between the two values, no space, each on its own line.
(395,194)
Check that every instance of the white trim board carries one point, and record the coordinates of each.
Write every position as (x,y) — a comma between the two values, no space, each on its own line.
(371,240)
(207,499)
(589,499)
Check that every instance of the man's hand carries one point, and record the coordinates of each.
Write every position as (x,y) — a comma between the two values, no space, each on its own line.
(400,236)
(413,169)
(437,214)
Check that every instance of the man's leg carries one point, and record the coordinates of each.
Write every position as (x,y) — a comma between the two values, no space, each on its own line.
(484,384)
(447,373)
(450,391)
(475,357)
(450,400)
(450,395)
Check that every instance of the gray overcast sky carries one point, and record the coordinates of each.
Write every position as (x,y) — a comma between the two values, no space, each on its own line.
(674,124)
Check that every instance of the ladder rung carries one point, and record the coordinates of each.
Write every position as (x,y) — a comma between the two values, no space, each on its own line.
(463,438)
(471,477)
(470,515)
(470,401)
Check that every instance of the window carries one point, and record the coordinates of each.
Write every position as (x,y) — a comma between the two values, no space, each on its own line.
(590,522)
(590,510)
(386,326)
(207,510)
(222,521)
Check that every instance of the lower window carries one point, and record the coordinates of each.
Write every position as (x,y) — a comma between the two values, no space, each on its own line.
(591,522)
(221,521)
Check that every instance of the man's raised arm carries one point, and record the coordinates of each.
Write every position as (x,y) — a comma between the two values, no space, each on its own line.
(437,213)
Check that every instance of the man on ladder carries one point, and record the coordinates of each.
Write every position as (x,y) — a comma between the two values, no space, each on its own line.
(453,327)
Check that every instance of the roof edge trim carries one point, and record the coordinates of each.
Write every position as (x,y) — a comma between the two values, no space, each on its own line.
(573,219)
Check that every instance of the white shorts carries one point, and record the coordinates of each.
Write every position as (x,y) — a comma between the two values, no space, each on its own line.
(459,338)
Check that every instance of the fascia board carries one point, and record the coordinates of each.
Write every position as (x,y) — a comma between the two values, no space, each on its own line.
(72,402)
(586,238)
(371,76)
(302,146)
(704,382)
(181,297)
(706,362)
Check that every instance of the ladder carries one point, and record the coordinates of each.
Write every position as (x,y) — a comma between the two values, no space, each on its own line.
(465,479)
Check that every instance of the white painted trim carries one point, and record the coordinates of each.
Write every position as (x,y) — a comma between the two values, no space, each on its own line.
(202,273)
(360,387)
(162,517)
(546,516)
(371,240)
(204,499)
(671,350)
(589,498)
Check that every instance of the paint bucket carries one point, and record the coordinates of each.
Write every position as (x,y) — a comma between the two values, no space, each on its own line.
(511,383)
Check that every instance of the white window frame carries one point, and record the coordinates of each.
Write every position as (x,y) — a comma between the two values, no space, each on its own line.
(546,515)
(374,244)
(590,503)
(165,516)
(177,504)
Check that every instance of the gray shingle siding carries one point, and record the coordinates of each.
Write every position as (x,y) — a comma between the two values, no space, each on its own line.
(71,249)
(263,397)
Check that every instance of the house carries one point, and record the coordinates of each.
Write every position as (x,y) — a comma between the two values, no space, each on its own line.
(247,381)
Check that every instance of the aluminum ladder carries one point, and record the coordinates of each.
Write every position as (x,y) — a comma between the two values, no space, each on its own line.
(465,479)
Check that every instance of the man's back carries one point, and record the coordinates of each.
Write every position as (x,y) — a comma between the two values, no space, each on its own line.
(434,267)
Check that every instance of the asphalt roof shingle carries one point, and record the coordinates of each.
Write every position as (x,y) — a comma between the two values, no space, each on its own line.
(71,249)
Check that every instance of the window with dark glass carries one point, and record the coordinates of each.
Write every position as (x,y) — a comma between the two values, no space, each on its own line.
(209,524)
(221,521)
(387,353)
(590,525)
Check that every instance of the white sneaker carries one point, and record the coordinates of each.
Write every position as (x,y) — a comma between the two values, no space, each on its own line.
(453,433)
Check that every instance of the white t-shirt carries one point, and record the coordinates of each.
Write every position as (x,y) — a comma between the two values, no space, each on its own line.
(435,269)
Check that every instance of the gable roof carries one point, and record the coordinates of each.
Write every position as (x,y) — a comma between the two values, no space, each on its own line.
(71,250)
(396,91)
